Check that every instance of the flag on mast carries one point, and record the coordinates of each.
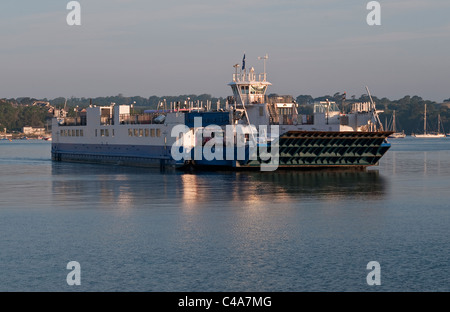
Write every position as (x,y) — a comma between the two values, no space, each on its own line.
(243,62)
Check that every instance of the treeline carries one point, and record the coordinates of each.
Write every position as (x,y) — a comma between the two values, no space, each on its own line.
(15,117)
(16,113)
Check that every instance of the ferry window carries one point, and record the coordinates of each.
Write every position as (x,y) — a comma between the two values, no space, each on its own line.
(130,132)
(141,132)
(106,132)
(78,132)
(158,132)
(112,132)
(146,132)
(261,111)
(244,89)
(152,132)
(136,132)
(81,132)
(257,89)
(95,132)
(73,132)
(69,133)
(102,132)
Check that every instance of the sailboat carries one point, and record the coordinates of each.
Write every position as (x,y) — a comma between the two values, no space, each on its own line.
(430,135)
(396,135)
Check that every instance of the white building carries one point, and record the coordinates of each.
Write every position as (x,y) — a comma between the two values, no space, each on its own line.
(33,131)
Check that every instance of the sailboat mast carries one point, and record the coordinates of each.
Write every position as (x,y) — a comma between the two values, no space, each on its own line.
(425,121)
(439,124)
(393,122)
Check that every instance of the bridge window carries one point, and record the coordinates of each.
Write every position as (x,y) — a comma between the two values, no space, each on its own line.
(257,89)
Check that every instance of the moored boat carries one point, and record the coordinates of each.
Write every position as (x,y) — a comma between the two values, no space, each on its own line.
(396,134)
(429,135)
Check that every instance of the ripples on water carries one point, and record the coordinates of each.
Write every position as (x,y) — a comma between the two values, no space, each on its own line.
(135,229)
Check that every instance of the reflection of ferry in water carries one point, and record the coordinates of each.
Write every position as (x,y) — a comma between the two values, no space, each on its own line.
(250,131)
(127,186)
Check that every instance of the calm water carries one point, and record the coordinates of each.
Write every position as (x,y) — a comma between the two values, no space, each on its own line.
(142,230)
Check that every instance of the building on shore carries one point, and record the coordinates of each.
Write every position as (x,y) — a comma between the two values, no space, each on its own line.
(33,131)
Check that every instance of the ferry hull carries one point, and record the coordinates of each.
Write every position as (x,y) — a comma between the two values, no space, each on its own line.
(320,150)
(296,150)
(126,155)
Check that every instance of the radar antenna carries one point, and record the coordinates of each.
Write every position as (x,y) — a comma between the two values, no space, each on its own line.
(264,58)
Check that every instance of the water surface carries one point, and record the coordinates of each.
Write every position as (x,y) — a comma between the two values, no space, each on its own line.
(134,229)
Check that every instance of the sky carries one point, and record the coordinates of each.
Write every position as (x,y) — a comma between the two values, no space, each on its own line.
(174,47)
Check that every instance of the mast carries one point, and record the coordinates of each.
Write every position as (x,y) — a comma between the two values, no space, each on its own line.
(393,122)
(265,59)
(425,120)
(439,124)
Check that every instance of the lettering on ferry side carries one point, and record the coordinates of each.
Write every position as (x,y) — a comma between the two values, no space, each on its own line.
(74,16)
(374,16)
(374,276)
(74,277)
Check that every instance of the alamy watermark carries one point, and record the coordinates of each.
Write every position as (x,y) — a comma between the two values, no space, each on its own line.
(236,142)
(74,276)
(74,16)
(374,276)
(374,16)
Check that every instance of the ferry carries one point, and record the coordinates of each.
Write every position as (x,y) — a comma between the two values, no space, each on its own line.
(250,130)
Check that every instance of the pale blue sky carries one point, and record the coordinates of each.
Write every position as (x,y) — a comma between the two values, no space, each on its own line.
(172,47)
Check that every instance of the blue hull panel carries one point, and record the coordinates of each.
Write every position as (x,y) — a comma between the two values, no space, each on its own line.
(128,155)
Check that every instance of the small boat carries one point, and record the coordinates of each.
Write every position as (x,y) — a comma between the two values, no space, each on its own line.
(426,135)
(396,135)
